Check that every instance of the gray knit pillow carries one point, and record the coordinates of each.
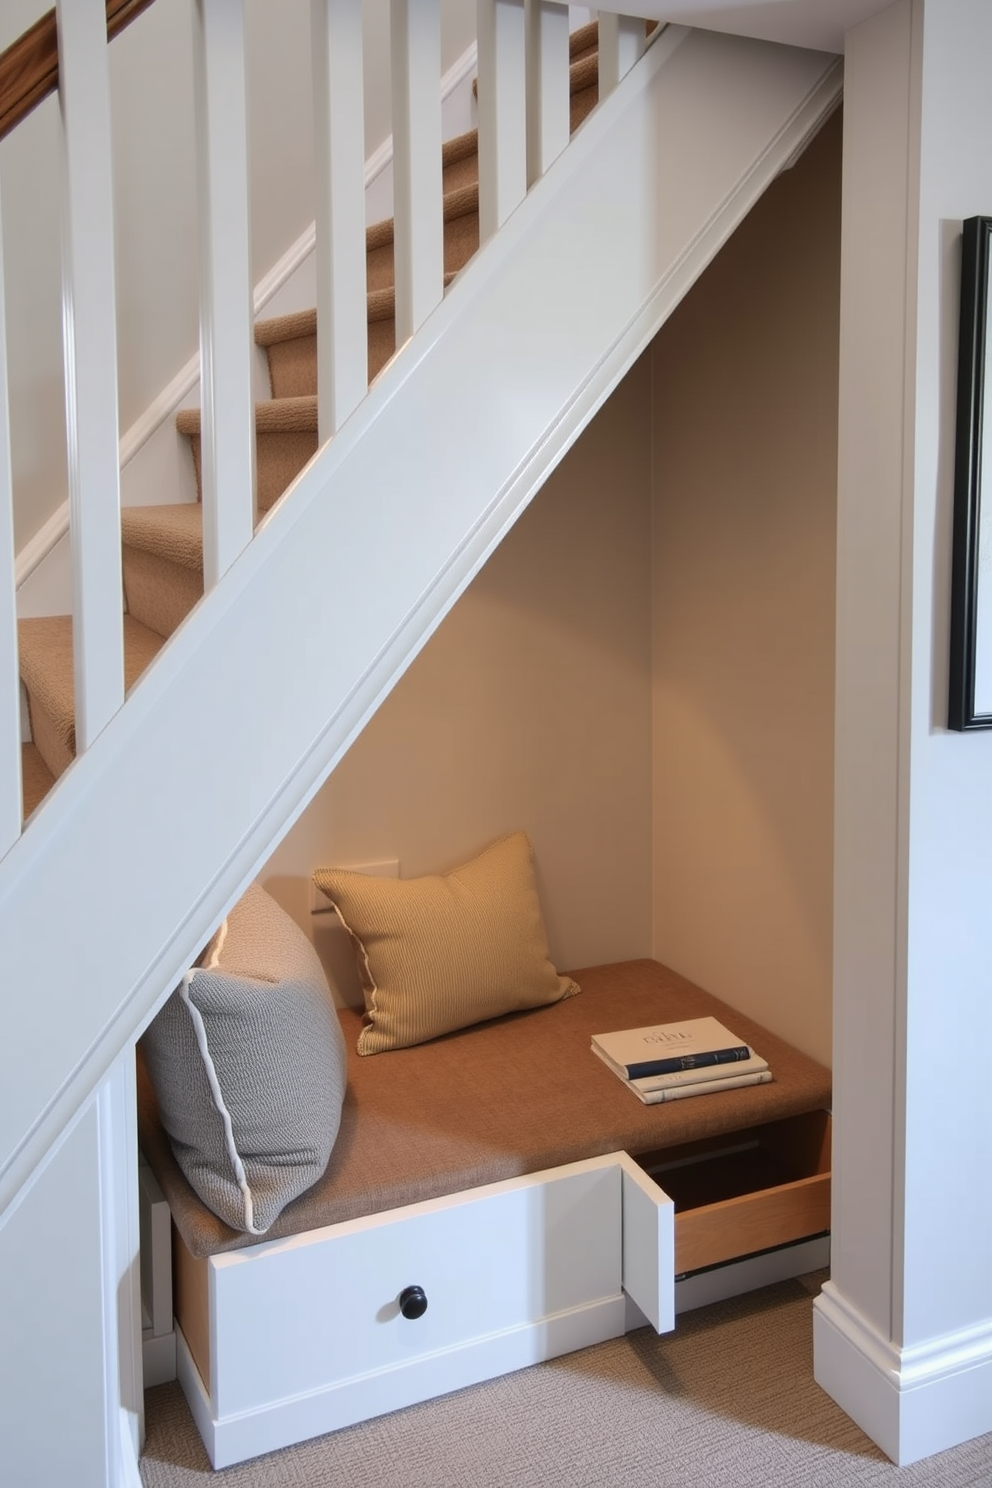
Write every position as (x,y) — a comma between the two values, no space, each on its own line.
(249,1066)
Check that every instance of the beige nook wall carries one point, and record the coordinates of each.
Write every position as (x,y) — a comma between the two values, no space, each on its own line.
(529,708)
(745,427)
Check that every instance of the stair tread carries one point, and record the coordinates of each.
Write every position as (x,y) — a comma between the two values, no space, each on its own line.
(584,37)
(45,645)
(583,67)
(460,147)
(36,778)
(172,531)
(274,416)
(382,306)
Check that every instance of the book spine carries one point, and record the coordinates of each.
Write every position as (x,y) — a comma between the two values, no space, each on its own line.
(752,1066)
(680,1092)
(672,1063)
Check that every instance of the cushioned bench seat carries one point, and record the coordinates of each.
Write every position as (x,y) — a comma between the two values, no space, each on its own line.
(516,1095)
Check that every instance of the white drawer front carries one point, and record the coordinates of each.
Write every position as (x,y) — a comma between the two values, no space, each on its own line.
(294,1316)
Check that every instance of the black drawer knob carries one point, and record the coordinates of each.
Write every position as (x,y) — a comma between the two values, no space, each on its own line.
(413,1302)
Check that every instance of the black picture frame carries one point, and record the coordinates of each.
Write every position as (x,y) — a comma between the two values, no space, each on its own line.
(970,690)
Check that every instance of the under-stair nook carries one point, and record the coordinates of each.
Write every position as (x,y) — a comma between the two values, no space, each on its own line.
(237,590)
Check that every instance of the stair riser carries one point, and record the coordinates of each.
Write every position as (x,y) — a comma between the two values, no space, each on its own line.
(280,458)
(461,241)
(159,593)
(293,364)
(48,739)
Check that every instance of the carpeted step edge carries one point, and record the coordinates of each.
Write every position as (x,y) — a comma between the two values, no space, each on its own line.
(459,203)
(36,778)
(275,416)
(583,38)
(381,306)
(172,532)
(581,73)
(46,666)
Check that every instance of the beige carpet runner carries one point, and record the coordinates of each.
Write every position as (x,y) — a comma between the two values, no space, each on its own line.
(163,545)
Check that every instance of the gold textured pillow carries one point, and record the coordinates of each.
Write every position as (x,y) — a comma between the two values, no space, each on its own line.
(440,953)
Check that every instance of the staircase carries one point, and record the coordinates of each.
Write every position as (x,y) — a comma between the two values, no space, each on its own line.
(163,545)
(168,814)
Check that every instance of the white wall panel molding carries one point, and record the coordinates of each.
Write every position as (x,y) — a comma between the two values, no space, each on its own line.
(73,1317)
(429,511)
(910,1300)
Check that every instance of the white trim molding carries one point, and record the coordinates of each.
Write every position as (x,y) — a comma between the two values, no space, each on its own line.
(912,1401)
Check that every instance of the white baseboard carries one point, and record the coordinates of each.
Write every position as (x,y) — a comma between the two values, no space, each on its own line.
(158,1358)
(914,1401)
(282,1422)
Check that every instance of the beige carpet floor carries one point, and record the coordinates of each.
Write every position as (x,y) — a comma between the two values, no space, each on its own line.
(727,1401)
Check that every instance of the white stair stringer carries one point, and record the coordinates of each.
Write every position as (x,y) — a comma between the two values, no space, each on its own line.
(149,838)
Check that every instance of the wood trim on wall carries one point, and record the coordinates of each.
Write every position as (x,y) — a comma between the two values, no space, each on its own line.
(29,68)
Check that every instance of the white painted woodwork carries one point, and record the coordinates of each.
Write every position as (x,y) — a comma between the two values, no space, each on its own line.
(66,1307)
(10,693)
(648,1224)
(342,335)
(227,440)
(89,321)
(621,42)
(902,1333)
(502,112)
(548,94)
(158,1338)
(306,1334)
(417,189)
(383,532)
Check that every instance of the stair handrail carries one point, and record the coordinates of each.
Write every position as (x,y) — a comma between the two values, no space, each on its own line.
(29,66)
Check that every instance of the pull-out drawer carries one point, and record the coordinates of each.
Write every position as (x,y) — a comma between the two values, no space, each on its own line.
(291,1338)
(756,1189)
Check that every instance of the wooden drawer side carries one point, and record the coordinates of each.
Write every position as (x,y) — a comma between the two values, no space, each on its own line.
(741,1226)
(191,1292)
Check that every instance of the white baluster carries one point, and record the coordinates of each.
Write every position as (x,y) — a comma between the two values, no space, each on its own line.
(548,97)
(502,112)
(417,189)
(89,321)
(227,438)
(342,326)
(621,42)
(10,709)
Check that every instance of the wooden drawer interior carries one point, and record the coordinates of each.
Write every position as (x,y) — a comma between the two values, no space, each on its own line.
(748,1191)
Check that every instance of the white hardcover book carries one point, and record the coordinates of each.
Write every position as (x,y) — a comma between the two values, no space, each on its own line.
(669,1048)
(700,1087)
(694,1076)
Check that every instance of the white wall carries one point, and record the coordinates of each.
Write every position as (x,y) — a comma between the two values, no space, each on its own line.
(152,105)
(904,1329)
(744,474)
(529,708)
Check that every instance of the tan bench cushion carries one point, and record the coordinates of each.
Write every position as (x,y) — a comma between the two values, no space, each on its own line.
(516,1095)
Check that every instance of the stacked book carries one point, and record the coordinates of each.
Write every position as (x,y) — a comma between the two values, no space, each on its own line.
(671,1060)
